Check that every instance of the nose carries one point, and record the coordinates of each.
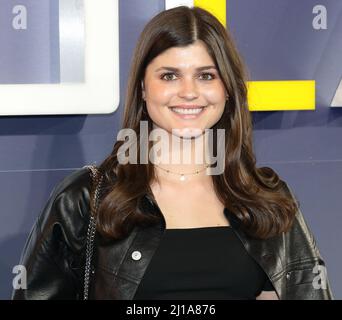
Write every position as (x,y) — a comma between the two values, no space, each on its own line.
(188,89)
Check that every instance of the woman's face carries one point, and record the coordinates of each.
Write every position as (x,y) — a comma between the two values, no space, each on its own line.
(183,90)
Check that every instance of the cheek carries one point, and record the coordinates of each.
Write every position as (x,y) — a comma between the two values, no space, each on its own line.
(157,92)
(157,98)
(215,95)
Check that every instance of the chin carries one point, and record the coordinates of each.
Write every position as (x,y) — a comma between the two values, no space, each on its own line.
(187,133)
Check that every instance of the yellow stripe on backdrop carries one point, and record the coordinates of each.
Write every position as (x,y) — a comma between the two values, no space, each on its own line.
(216,7)
(281,95)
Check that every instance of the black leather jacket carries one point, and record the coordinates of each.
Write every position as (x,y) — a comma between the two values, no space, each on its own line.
(54,254)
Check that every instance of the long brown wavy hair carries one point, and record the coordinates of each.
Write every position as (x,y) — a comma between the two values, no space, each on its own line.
(254,195)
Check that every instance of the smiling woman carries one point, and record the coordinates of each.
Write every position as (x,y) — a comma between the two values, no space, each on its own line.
(138,231)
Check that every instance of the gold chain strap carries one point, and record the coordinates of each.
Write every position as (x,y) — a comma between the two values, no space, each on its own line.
(94,201)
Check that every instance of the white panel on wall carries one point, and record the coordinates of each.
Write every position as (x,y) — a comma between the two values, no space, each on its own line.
(95,89)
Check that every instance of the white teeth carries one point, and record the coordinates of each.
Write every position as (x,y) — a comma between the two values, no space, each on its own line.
(187,111)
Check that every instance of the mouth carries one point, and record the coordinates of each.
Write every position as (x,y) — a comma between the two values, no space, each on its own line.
(187,111)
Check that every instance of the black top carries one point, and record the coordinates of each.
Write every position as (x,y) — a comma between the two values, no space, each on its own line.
(202,263)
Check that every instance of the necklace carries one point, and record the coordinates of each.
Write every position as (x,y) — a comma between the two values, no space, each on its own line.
(182,175)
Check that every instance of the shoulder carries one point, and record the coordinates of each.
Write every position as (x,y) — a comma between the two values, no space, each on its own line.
(73,191)
(300,241)
(74,184)
(67,210)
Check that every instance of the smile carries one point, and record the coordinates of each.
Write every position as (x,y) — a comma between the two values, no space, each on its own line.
(187,111)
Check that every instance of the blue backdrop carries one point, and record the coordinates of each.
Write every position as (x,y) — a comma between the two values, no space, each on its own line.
(278,42)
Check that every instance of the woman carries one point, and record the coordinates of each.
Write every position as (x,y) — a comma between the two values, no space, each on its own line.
(177,229)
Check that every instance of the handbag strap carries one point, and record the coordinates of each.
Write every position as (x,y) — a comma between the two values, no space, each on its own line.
(94,202)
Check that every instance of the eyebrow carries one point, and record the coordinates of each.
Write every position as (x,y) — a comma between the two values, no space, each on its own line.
(176,69)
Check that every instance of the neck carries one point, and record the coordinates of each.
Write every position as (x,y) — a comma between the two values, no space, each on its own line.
(181,156)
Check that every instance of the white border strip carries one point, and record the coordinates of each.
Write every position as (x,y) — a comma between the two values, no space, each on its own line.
(337,101)
(169,4)
(71,40)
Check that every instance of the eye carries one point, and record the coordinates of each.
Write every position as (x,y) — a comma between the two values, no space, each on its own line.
(207,76)
(168,76)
